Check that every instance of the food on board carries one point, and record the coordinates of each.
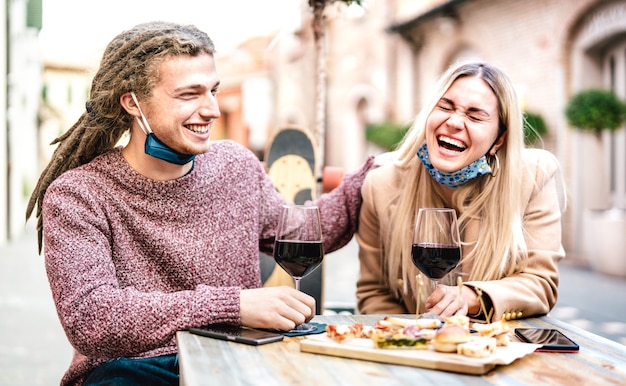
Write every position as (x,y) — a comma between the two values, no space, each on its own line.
(477,347)
(395,322)
(342,332)
(405,337)
(449,337)
(457,320)
(498,330)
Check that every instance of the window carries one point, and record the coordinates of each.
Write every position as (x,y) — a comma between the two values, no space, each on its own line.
(615,141)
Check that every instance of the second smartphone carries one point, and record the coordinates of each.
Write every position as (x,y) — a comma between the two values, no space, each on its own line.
(550,339)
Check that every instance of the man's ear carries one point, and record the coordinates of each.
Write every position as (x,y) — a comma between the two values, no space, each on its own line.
(499,142)
(127,102)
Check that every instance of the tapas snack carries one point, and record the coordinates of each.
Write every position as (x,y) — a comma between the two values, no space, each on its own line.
(409,336)
(393,332)
(342,332)
(392,322)
(457,320)
(390,332)
(477,347)
(498,330)
(447,338)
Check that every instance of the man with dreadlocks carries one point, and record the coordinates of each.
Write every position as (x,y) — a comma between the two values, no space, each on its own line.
(164,233)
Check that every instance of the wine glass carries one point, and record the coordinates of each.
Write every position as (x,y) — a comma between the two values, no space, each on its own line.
(298,248)
(436,243)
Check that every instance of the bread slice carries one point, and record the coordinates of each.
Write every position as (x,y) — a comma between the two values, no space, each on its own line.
(479,347)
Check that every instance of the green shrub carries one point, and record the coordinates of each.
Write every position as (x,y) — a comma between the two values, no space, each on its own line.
(595,110)
(386,135)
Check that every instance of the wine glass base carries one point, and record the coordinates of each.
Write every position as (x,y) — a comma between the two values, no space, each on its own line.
(304,327)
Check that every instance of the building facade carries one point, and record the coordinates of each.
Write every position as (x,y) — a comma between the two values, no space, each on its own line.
(382,60)
(20,69)
(551,50)
(383,63)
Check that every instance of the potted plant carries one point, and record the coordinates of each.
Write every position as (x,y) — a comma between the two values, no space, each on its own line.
(604,226)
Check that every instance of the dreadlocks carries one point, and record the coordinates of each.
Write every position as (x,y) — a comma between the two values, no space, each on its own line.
(128,64)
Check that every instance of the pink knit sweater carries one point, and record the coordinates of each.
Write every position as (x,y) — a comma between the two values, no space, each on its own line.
(132,260)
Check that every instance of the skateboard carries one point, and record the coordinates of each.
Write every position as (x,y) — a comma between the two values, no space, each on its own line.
(291,162)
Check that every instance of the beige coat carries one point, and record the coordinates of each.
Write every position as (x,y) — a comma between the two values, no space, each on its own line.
(530,292)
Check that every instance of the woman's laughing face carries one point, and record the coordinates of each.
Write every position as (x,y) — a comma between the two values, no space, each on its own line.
(463,126)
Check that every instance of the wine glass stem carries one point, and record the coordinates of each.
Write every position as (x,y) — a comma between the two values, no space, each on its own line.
(435,282)
(304,327)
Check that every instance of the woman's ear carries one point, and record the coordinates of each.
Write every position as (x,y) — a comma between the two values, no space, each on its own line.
(499,142)
(128,103)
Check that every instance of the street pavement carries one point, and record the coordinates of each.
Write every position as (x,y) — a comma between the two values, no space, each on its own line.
(34,350)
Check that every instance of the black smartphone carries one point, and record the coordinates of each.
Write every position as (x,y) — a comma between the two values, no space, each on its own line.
(551,340)
(239,334)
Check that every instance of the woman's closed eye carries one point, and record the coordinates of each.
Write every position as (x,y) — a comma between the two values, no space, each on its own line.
(473,114)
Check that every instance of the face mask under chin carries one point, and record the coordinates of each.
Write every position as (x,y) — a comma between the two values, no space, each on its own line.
(155,147)
(454,179)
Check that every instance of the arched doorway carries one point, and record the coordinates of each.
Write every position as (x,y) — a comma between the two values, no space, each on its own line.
(596,56)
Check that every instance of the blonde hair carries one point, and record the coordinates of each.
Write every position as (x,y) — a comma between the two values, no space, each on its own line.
(500,248)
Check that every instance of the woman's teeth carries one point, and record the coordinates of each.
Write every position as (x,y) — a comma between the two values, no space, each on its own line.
(451,144)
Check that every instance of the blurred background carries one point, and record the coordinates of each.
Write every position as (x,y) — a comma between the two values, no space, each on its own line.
(380,60)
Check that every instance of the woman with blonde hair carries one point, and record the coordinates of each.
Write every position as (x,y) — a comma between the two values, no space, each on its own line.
(465,151)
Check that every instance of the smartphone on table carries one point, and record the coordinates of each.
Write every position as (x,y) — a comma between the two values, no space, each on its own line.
(239,334)
(552,340)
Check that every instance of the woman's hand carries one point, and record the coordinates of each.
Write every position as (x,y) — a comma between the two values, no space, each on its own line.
(275,307)
(448,301)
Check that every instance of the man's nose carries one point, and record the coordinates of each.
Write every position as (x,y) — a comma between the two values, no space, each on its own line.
(210,107)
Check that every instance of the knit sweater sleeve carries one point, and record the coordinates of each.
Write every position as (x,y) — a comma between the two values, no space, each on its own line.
(339,209)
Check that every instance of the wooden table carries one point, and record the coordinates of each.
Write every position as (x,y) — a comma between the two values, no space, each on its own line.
(206,361)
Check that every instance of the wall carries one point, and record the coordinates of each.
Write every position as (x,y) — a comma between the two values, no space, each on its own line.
(18,157)
(4,165)
(538,44)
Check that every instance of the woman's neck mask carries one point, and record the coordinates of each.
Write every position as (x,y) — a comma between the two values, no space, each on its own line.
(454,179)
(155,147)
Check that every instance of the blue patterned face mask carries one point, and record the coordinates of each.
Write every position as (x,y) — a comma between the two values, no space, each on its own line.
(455,179)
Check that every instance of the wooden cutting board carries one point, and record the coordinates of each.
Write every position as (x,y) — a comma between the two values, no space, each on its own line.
(364,349)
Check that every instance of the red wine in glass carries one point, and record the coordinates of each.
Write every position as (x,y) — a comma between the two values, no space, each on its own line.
(435,260)
(436,248)
(298,258)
